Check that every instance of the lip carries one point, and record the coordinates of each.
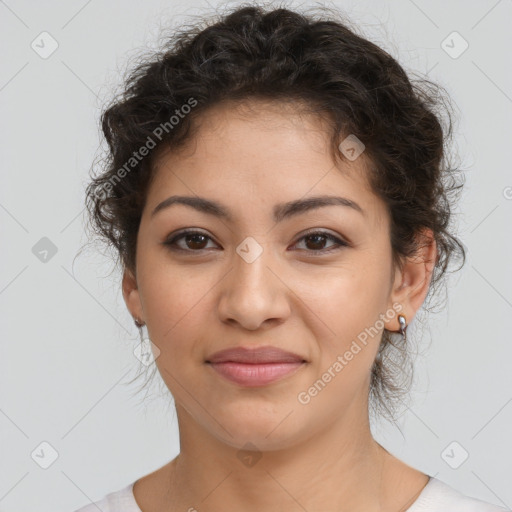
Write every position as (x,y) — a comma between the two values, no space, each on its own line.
(259,355)
(255,375)
(255,367)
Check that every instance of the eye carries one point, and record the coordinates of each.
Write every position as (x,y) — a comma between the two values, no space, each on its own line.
(316,240)
(194,241)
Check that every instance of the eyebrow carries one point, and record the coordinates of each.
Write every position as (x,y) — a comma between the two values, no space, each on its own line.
(281,211)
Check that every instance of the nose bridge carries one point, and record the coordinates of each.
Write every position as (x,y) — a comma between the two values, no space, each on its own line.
(251,293)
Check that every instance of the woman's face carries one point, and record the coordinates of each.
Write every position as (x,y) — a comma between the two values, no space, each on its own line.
(253,280)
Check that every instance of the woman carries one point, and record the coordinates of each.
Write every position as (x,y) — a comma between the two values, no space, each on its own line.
(277,191)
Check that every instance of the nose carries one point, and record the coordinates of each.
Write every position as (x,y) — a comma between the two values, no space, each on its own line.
(252,294)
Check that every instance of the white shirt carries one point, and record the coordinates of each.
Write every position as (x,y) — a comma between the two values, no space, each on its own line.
(436,496)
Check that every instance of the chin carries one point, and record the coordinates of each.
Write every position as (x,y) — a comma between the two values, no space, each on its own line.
(253,440)
(270,433)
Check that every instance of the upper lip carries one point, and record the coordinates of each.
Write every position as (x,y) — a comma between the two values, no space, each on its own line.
(254,355)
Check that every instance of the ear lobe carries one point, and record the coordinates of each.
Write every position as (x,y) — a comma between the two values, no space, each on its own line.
(412,281)
(131,295)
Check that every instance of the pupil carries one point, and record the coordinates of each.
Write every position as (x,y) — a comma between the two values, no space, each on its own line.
(196,237)
(316,237)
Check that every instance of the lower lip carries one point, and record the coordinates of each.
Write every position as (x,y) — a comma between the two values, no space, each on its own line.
(255,374)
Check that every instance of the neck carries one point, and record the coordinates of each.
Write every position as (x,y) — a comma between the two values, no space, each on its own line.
(339,468)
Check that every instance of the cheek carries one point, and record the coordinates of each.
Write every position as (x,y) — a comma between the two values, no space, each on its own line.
(177,302)
(347,340)
(173,303)
(346,299)
(348,303)
(176,311)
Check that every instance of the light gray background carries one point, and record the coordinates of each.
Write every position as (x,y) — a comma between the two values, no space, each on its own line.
(67,339)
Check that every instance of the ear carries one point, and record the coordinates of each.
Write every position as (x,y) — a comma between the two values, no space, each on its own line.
(412,280)
(131,295)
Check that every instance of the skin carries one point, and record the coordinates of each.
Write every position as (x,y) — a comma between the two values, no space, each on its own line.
(315,456)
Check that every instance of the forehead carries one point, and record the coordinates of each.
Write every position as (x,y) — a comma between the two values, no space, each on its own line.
(263,151)
(241,129)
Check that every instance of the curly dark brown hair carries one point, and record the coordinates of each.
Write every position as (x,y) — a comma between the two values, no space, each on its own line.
(320,65)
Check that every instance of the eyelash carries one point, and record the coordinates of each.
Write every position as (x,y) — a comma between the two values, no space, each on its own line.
(170,243)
